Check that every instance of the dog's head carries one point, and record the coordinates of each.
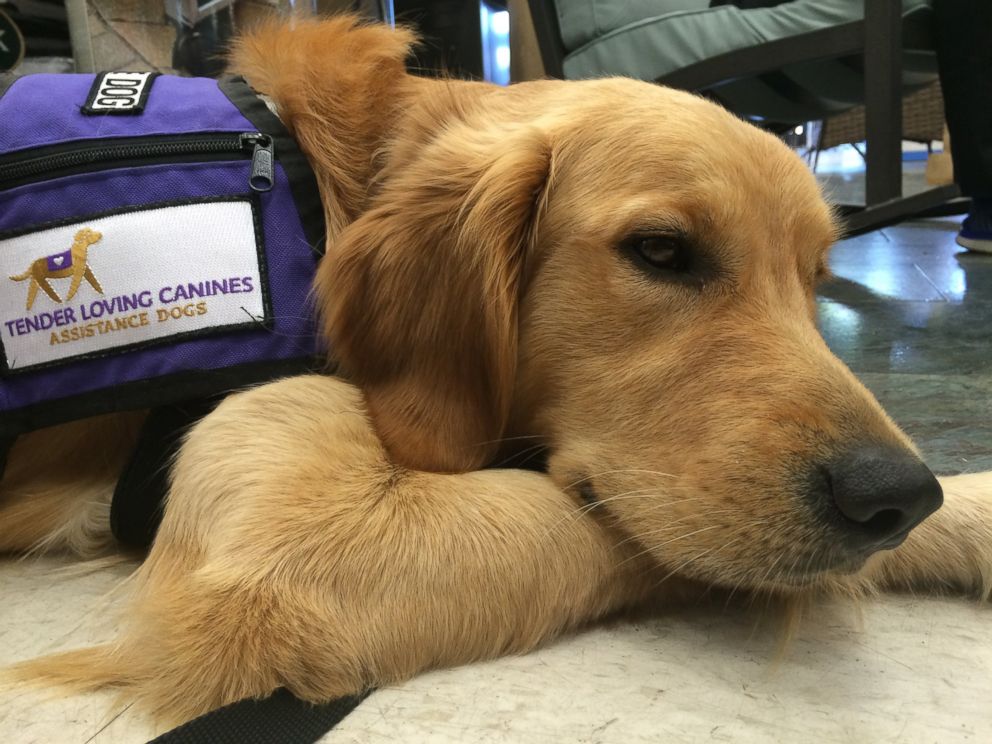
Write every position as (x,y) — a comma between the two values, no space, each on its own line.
(87,236)
(625,275)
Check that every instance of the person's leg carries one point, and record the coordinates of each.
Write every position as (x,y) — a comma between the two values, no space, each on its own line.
(965,58)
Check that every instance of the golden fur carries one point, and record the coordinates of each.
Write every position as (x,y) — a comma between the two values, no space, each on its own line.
(478,306)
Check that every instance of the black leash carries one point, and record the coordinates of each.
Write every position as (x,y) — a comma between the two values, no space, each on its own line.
(281,718)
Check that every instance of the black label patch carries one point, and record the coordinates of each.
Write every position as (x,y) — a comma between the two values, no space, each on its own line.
(119,93)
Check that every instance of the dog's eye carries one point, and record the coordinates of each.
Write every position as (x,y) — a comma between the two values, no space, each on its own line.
(658,254)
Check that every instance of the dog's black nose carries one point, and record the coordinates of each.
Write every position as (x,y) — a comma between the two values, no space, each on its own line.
(882,493)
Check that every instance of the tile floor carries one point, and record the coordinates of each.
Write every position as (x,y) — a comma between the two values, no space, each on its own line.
(912,315)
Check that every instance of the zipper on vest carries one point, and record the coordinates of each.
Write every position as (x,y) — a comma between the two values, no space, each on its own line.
(42,164)
(263,174)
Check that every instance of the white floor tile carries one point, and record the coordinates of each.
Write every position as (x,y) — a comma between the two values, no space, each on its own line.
(908,670)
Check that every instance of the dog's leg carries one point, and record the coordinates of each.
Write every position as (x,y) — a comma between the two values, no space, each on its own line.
(77,279)
(292,552)
(42,282)
(952,549)
(56,490)
(32,292)
(91,278)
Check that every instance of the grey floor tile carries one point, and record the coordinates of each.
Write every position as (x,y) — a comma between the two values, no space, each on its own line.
(911,313)
(911,337)
(949,416)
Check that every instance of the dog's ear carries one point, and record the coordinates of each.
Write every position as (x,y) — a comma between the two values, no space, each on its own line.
(419,295)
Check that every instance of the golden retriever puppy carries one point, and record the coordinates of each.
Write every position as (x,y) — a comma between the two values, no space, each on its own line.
(565,265)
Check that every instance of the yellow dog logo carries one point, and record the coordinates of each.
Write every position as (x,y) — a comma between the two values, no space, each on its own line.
(60,266)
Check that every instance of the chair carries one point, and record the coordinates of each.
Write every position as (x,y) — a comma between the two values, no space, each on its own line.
(779,66)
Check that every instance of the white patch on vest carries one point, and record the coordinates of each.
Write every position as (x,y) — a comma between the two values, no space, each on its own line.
(119,91)
(130,278)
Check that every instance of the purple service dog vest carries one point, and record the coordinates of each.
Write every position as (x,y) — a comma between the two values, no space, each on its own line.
(158,240)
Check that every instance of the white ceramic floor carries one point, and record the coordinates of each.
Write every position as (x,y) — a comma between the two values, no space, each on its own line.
(904,670)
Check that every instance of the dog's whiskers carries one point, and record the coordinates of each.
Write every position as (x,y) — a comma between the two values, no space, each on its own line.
(668,526)
(524,455)
(652,548)
(614,472)
(726,546)
(716,548)
(645,493)
(501,440)
(685,563)
(769,573)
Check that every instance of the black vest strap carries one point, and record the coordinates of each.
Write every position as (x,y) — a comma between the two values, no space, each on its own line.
(281,718)
(136,510)
(5,446)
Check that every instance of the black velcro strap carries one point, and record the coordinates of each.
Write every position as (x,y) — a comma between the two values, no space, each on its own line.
(6,443)
(136,510)
(281,718)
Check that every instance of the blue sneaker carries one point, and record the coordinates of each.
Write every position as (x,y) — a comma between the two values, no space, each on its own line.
(976,230)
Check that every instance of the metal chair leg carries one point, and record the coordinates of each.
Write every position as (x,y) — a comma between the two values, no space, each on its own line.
(883,99)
